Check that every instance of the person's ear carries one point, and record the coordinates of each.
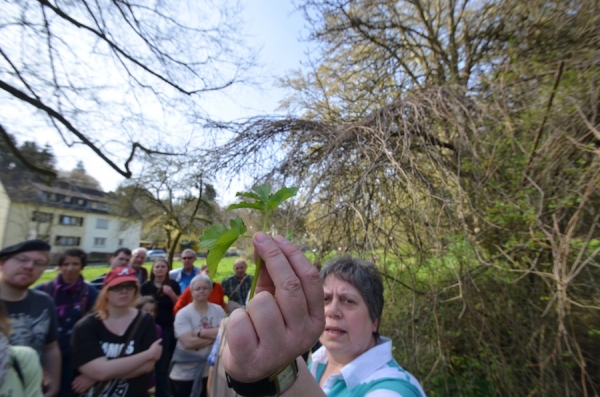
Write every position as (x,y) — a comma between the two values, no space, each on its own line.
(375,326)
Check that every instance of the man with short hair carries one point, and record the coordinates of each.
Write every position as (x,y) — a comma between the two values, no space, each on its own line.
(188,271)
(138,257)
(32,313)
(237,287)
(119,258)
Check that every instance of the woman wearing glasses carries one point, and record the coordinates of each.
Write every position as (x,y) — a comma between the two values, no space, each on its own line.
(196,327)
(115,349)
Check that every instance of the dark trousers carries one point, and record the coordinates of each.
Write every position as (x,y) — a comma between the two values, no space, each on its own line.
(66,376)
(162,365)
(184,388)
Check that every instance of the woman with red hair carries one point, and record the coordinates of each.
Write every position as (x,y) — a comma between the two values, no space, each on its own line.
(115,349)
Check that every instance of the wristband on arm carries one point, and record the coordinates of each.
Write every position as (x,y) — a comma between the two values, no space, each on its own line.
(273,385)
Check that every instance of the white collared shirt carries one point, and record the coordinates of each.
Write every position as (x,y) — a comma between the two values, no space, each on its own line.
(374,373)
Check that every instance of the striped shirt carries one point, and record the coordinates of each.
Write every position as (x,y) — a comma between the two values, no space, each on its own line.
(374,373)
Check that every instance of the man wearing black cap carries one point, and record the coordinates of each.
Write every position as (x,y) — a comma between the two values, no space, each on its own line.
(32,312)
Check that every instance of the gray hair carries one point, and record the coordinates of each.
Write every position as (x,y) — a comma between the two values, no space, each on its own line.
(363,276)
(240,261)
(139,249)
(201,277)
(191,251)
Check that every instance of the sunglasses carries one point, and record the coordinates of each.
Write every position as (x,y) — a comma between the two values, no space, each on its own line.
(122,287)
(187,257)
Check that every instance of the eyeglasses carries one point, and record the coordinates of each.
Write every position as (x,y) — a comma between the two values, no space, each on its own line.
(23,260)
(187,257)
(122,287)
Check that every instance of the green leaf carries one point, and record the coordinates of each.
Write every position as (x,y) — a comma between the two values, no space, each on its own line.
(225,240)
(289,235)
(280,196)
(244,204)
(249,195)
(219,240)
(238,224)
(211,235)
(264,191)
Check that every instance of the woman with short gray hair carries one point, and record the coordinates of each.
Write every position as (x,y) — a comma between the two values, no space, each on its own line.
(196,327)
(292,306)
(355,360)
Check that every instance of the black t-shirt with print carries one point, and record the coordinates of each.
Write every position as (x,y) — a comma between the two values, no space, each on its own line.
(92,340)
(33,321)
(164,304)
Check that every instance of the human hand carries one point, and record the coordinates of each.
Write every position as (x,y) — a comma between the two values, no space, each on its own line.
(81,384)
(167,290)
(155,350)
(283,320)
(49,388)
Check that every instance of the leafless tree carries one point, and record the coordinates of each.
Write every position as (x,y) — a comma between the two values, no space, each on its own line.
(105,74)
(174,197)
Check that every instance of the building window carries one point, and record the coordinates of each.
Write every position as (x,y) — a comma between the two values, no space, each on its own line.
(101,223)
(81,202)
(99,242)
(71,220)
(97,205)
(41,216)
(67,199)
(67,241)
(121,241)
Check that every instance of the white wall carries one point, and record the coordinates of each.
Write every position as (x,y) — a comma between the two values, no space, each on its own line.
(118,229)
(4,210)
(16,225)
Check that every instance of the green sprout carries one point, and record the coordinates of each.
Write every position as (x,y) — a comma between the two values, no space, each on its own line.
(218,238)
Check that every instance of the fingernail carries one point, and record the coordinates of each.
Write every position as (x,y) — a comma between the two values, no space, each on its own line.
(281,240)
(261,237)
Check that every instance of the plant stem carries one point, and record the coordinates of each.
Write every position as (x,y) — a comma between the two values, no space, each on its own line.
(266,222)
(258,260)
(255,279)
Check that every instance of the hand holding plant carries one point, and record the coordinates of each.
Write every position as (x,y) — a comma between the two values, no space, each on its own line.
(218,238)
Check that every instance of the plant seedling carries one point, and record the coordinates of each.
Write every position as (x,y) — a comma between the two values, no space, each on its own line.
(218,238)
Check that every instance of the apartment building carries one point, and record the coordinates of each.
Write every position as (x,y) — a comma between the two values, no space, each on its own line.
(64,214)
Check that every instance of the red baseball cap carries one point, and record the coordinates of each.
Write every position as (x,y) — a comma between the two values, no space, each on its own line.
(119,275)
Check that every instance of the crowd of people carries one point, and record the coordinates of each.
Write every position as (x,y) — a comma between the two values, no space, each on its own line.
(173,331)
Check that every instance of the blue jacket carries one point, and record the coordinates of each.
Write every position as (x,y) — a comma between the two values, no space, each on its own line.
(176,275)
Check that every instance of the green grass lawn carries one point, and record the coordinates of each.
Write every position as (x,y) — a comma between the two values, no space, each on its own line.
(90,272)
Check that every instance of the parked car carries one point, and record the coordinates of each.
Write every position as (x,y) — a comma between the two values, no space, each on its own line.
(153,255)
(234,252)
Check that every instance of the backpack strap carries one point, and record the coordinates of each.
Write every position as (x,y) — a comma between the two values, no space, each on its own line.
(14,363)
(138,320)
